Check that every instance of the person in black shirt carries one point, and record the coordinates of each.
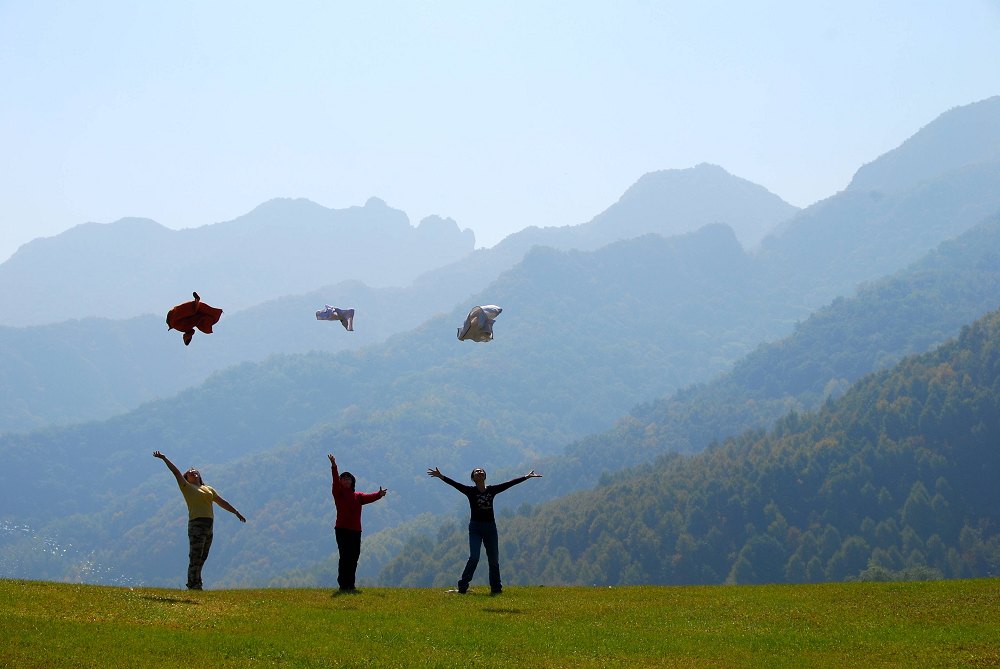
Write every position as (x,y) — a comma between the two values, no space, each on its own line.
(482,523)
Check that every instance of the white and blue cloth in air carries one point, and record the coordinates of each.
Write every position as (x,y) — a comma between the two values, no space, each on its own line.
(479,323)
(345,316)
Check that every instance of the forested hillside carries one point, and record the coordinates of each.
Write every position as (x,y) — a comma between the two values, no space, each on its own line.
(569,357)
(911,312)
(915,310)
(896,479)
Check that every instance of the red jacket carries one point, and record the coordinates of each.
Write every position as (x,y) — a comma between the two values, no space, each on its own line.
(190,315)
(349,503)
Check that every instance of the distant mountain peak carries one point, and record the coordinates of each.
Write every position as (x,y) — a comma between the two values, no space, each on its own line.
(676,201)
(283,246)
(961,137)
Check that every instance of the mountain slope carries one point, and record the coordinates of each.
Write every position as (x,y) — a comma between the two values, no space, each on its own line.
(967,135)
(666,202)
(910,312)
(896,479)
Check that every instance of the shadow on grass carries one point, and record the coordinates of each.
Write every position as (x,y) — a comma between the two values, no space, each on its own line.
(169,600)
(511,611)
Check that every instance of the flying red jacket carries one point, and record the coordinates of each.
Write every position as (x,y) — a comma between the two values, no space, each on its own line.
(190,315)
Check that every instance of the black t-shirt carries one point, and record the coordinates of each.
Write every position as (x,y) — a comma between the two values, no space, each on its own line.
(481,501)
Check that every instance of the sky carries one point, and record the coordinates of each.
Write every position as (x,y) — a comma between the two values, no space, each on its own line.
(499,115)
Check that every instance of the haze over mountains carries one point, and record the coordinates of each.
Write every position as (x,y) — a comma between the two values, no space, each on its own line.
(136,266)
(117,365)
(587,334)
(286,247)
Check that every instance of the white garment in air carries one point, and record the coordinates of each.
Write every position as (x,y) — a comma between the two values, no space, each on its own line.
(345,316)
(479,323)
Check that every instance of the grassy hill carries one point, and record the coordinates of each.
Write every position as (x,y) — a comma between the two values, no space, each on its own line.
(929,624)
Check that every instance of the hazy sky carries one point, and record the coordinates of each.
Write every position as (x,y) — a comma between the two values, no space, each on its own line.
(497,114)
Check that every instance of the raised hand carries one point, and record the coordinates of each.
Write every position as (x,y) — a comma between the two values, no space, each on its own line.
(436,473)
(533,475)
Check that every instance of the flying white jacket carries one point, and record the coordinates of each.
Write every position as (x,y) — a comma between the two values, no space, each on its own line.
(479,323)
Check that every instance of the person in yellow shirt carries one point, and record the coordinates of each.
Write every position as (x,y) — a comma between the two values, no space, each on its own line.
(199,498)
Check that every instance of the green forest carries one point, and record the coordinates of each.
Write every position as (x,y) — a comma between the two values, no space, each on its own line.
(910,312)
(896,479)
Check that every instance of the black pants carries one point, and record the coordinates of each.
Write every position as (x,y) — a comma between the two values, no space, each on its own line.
(349,545)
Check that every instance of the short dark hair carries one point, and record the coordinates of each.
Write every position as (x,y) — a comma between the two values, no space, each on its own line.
(349,475)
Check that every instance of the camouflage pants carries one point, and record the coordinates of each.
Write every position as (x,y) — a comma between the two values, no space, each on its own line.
(199,543)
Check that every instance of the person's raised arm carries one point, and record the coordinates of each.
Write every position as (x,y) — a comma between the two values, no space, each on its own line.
(336,474)
(229,507)
(173,468)
(436,473)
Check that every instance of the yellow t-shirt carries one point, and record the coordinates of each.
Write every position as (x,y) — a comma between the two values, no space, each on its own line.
(199,499)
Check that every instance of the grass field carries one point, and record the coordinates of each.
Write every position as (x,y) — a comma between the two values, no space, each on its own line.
(926,624)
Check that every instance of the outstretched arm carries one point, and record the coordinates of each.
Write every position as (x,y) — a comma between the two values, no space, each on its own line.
(369,497)
(436,473)
(229,507)
(520,479)
(173,468)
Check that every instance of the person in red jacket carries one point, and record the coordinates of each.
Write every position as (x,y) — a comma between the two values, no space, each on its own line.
(348,525)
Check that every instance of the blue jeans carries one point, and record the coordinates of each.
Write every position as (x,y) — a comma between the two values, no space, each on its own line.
(482,534)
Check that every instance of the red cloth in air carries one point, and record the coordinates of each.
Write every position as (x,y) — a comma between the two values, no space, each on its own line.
(190,315)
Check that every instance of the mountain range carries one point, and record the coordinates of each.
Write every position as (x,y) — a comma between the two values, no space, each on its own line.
(586,335)
(136,266)
(118,364)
